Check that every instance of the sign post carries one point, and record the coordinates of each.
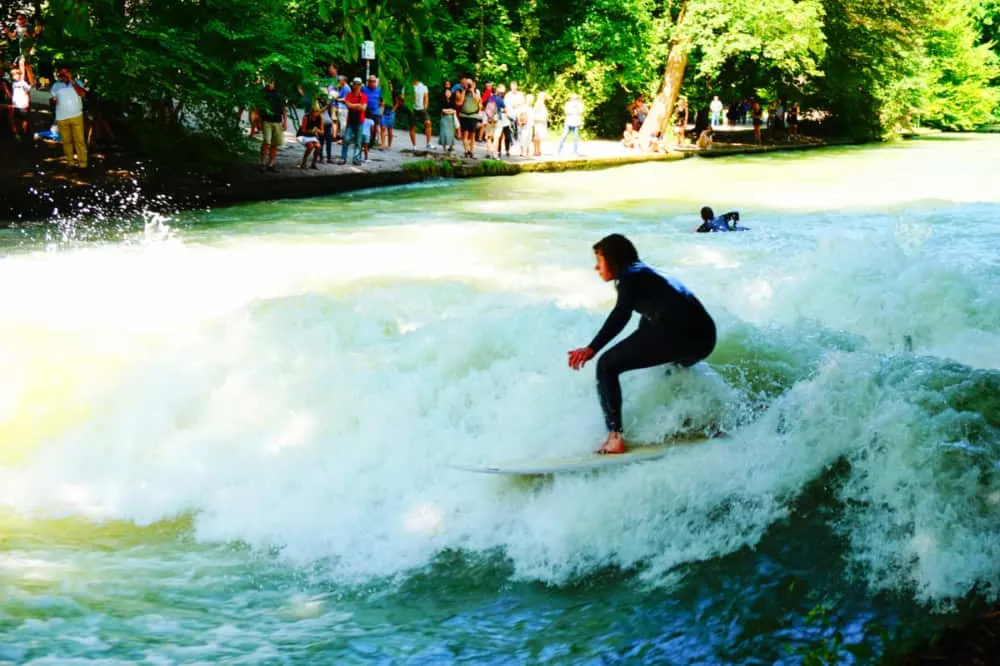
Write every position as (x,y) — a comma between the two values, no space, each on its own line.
(367,54)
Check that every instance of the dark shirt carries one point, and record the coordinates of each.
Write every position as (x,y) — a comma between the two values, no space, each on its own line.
(663,303)
(271,106)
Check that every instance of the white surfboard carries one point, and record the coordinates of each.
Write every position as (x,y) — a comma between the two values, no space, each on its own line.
(587,462)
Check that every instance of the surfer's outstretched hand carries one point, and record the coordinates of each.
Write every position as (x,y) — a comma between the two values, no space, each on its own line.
(579,357)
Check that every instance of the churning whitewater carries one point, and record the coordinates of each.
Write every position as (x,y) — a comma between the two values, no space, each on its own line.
(298,376)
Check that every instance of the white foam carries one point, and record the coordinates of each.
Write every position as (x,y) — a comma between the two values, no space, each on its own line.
(305,386)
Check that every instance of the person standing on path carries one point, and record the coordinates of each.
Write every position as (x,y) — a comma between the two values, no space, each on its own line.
(716,108)
(274,120)
(343,91)
(467,101)
(540,117)
(573,112)
(449,119)
(421,98)
(373,92)
(67,95)
(357,103)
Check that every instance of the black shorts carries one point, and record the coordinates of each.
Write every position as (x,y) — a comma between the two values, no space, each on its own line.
(20,114)
(468,124)
(418,117)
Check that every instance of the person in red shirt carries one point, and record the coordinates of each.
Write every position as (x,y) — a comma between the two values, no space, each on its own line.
(356,102)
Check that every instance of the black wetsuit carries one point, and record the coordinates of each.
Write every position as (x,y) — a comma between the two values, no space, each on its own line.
(675,328)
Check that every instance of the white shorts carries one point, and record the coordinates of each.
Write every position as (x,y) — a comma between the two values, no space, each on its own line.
(306,140)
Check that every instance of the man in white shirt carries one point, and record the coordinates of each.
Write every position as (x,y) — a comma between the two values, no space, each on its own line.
(573,112)
(67,95)
(716,108)
(514,100)
(21,104)
(420,103)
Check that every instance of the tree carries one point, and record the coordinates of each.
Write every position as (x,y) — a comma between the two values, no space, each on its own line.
(782,38)
(960,71)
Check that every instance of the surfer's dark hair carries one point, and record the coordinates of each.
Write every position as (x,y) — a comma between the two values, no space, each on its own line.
(707,214)
(618,252)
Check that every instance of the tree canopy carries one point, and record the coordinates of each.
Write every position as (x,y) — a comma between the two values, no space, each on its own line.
(865,66)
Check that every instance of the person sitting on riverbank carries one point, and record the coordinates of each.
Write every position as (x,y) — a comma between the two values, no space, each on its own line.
(725,222)
(630,137)
(706,138)
(310,136)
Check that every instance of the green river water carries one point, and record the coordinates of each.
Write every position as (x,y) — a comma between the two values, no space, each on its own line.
(225,436)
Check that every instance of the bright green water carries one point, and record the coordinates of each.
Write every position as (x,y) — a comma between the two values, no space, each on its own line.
(225,438)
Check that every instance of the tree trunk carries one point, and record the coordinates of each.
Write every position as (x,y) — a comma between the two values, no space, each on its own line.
(663,105)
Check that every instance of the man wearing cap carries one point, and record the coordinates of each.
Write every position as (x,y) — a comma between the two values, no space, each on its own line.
(356,102)
(374,111)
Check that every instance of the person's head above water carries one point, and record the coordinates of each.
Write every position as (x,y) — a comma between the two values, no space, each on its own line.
(707,213)
(614,254)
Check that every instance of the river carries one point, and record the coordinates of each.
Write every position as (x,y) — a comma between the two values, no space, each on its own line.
(225,436)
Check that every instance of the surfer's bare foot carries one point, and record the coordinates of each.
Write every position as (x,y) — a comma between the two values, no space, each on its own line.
(613,444)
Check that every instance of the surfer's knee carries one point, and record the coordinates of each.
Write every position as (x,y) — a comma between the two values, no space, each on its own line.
(606,366)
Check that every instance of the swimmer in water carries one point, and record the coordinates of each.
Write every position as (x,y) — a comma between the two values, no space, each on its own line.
(725,222)
(674,328)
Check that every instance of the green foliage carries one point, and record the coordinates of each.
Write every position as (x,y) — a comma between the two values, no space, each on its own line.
(986,19)
(746,45)
(174,69)
(959,71)
(873,64)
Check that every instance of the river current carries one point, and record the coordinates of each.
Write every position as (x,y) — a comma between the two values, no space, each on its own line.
(225,436)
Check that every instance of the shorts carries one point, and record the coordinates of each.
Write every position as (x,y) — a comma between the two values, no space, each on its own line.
(274,135)
(468,124)
(306,140)
(20,114)
(388,118)
(419,116)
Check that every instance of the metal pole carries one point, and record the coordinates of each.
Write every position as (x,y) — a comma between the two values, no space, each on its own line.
(367,70)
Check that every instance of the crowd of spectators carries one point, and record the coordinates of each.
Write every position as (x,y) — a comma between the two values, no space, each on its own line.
(493,121)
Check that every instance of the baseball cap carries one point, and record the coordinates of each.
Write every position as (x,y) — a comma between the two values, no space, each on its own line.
(356,80)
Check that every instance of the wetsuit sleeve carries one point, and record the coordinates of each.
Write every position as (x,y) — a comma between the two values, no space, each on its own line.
(617,320)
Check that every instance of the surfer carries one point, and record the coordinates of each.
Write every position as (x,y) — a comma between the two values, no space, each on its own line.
(725,222)
(675,328)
